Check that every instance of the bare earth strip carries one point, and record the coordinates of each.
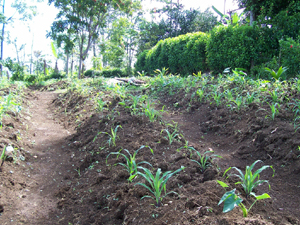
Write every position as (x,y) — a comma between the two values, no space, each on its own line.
(48,162)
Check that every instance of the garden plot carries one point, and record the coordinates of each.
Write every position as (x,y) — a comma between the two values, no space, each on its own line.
(188,131)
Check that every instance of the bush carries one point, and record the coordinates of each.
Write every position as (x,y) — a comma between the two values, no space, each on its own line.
(141,61)
(259,71)
(240,47)
(92,73)
(290,56)
(30,78)
(56,75)
(17,70)
(184,54)
(113,73)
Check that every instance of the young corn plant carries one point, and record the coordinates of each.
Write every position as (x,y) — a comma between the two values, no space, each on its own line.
(274,110)
(217,97)
(200,94)
(238,102)
(250,180)
(231,200)
(170,136)
(157,183)
(112,136)
(275,96)
(150,112)
(131,165)
(276,75)
(204,160)
(3,156)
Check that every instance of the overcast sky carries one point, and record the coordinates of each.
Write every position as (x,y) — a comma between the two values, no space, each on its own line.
(36,29)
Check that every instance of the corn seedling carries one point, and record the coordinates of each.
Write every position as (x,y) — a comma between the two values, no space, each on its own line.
(274,110)
(150,112)
(3,156)
(112,136)
(157,183)
(187,147)
(217,97)
(238,102)
(231,200)
(142,74)
(250,180)
(204,160)
(170,136)
(100,104)
(250,97)
(276,75)
(131,166)
(162,72)
(274,96)
(200,94)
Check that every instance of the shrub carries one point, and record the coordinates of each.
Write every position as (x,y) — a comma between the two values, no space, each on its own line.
(113,73)
(92,73)
(56,75)
(290,56)
(184,54)
(17,70)
(141,61)
(239,47)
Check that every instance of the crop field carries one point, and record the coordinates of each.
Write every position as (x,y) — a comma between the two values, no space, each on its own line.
(200,149)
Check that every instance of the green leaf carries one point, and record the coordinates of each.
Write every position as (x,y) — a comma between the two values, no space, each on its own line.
(224,185)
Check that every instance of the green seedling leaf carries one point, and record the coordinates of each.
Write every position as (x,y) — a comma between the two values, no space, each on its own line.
(224,185)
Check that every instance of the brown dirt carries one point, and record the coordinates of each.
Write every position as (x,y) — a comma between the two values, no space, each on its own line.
(65,179)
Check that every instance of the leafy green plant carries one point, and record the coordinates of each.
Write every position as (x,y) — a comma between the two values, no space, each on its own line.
(274,109)
(171,136)
(275,96)
(250,180)
(162,72)
(150,112)
(3,156)
(100,104)
(157,183)
(276,75)
(238,102)
(217,97)
(131,166)
(200,94)
(204,160)
(231,200)
(112,136)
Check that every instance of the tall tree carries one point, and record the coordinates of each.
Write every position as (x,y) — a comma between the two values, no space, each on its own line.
(84,19)
(24,11)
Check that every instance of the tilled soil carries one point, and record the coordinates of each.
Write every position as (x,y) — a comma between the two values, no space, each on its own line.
(68,178)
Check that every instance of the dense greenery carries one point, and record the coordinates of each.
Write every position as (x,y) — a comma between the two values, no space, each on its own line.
(184,54)
(238,47)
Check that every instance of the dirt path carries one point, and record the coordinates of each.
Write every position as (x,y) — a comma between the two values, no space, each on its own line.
(47,162)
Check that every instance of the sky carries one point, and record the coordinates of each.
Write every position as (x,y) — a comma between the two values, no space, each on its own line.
(35,31)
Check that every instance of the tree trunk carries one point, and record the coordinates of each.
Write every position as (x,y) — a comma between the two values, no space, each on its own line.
(45,66)
(2,40)
(67,64)
(252,17)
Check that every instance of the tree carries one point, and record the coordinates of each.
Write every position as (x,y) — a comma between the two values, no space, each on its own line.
(264,8)
(84,19)
(25,12)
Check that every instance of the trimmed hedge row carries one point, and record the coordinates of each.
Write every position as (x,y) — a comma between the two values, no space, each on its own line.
(105,73)
(184,54)
(232,46)
(240,47)
(290,56)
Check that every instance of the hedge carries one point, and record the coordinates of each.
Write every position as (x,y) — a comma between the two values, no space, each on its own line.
(184,54)
(114,72)
(290,56)
(240,47)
